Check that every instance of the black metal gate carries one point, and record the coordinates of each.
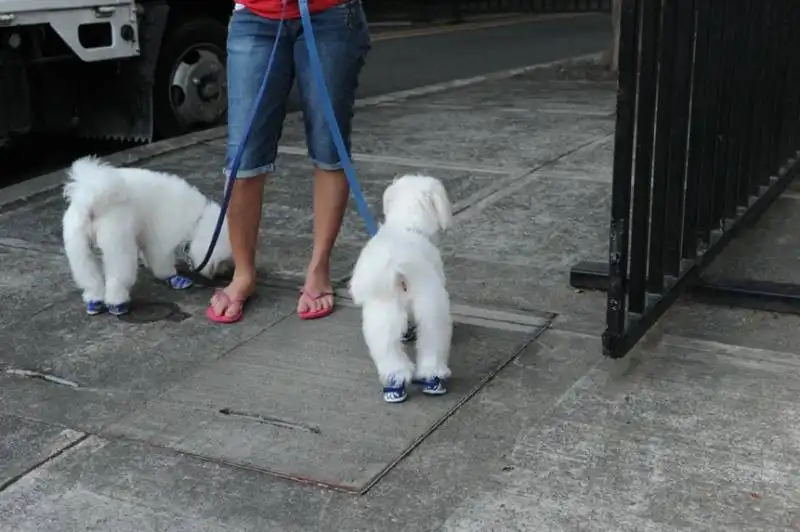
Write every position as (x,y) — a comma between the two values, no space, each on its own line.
(708,115)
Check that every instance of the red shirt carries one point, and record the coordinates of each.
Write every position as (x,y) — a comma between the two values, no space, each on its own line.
(274,8)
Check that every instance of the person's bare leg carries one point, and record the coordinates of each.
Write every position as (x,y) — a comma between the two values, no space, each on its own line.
(244,218)
(330,202)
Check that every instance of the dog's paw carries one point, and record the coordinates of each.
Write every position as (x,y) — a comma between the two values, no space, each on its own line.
(431,386)
(119,310)
(394,391)
(93,308)
(179,282)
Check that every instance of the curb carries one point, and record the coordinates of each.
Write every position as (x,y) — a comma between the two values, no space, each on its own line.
(47,182)
(466,82)
(471,24)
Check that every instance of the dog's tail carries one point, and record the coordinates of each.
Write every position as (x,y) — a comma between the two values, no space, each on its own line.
(374,276)
(93,186)
(386,274)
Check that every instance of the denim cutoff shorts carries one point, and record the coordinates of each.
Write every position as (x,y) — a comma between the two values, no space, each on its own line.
(343,41)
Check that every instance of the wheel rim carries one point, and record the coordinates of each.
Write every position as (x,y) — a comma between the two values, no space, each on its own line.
(198,88)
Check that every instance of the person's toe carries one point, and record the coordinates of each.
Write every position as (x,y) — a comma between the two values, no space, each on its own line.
(303,303)
(218,303)
(223,304)
(234,307)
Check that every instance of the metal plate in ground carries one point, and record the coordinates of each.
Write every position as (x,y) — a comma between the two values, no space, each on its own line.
(302,401)
(107,367)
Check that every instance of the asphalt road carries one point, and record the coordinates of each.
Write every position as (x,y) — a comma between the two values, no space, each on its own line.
(397,61)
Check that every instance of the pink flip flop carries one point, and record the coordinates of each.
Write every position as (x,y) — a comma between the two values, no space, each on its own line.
(222,318)
(315,314)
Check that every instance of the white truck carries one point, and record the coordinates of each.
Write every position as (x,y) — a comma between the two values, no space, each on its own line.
(118,69)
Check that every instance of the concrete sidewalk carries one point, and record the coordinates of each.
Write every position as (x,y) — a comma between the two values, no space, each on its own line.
(164,422)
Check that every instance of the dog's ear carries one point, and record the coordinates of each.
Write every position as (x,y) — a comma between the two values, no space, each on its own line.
(389,196)
(441,206)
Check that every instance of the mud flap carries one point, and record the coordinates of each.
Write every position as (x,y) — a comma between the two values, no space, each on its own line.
(15,104)
(120,106)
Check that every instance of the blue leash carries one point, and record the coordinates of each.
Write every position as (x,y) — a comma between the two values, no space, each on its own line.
(330,118)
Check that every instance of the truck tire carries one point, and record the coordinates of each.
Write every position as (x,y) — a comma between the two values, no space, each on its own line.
(190,89)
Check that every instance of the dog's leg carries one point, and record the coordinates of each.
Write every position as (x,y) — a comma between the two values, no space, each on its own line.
(116,238)
(162,263)
(84,265)
(434,334)
(383,323)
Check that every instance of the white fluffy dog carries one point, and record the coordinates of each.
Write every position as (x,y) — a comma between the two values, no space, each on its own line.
(400,274)
(126,213)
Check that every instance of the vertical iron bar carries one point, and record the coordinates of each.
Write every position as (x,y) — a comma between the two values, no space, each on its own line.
(777,80)
(616,312)
(781,152)
(707,221)
(773,78)
(699,114)
(721,122)
(759,100)
(778,53)
(768,93)
(666,60)
(674,212)
(748,78)
(794,137)
(681,195)
(645,115)
(794,111)
(742,26)
(778,90)
(784,150)
(726,170)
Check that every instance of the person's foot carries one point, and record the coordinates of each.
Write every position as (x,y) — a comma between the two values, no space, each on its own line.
(229,301)
(316,297)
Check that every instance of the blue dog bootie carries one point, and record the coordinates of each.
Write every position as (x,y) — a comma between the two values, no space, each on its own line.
(119,310)
(432,386)
(179,282)
(93,308)
(394,391)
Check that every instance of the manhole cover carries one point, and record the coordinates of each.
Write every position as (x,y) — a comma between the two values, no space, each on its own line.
(154,311)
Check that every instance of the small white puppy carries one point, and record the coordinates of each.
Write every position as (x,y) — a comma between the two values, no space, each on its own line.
(400,274)
(126,213)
